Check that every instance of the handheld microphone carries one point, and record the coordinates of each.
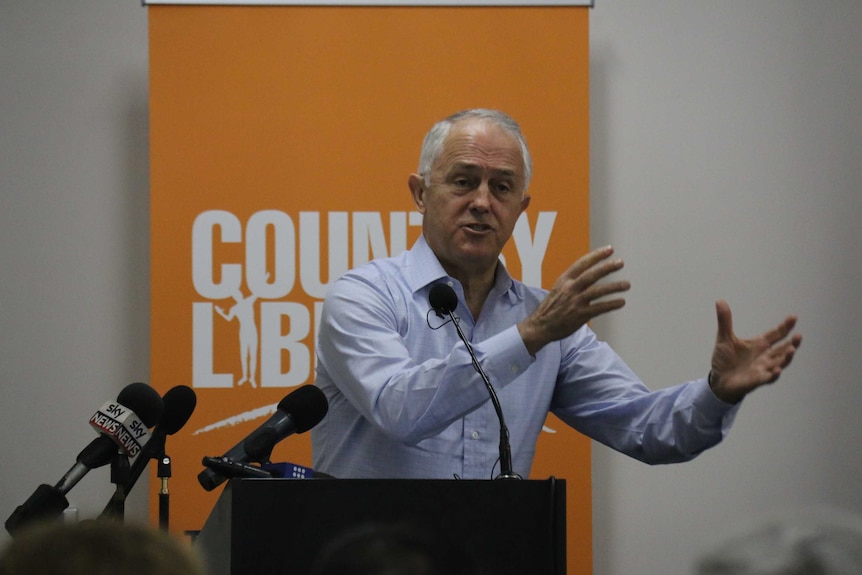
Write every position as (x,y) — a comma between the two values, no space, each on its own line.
(298,412)
(282,470)
(122,427)
(138,407)
(229,468)
(121,424)
(443,301)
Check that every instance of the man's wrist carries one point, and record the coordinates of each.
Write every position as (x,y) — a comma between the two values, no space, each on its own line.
(528,336)
(712,379)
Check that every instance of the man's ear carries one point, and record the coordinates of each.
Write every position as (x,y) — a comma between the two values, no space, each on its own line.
(416,183)
(525,201)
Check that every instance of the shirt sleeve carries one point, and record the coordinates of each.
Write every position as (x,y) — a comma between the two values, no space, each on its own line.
(600,396)
(408,394)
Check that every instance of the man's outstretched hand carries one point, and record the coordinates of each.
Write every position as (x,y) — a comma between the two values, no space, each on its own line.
(739,366)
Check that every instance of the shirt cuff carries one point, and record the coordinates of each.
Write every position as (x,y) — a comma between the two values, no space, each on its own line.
(506,356)
(708,404)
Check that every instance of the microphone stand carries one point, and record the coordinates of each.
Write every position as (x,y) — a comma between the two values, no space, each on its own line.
(164,473)
(506,471)
(116,507)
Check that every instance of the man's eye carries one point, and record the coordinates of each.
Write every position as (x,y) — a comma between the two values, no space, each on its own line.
(462,183)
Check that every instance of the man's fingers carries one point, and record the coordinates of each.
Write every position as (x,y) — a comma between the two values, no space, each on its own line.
(583,282)
(604,306)
(597,272)
(725,320)
(783,354)
(587,261)
(599,291)
(580,281)
(781,330)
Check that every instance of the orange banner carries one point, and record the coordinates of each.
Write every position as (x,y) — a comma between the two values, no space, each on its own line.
(281,140)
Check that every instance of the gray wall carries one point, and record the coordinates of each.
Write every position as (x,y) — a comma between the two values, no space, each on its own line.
(726,163)
(74,233)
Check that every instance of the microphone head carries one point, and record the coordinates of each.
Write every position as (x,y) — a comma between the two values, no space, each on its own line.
(306,406)
(442,298)
(144,401)
(179,402)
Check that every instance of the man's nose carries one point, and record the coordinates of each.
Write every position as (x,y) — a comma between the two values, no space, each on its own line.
(481,197)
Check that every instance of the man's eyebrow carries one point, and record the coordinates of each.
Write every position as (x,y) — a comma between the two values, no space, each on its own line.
(472,167)
(464,166)
(505,172)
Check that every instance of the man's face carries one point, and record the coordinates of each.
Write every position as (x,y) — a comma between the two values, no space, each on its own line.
(474,198)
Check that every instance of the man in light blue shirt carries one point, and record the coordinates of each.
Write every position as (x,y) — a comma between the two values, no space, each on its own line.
(405,400)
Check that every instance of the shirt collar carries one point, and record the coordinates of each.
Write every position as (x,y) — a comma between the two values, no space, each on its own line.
(424,268)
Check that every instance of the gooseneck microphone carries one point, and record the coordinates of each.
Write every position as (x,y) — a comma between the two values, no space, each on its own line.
(444,301)
(123,431)
(297,412)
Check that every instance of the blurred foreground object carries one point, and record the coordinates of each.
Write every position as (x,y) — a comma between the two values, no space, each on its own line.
(97,547)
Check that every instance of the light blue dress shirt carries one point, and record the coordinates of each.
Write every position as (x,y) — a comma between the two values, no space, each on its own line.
(406,402)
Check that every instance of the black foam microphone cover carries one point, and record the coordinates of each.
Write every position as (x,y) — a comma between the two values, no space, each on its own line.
(443,299)
(180,402)
(144,401)
(306,405)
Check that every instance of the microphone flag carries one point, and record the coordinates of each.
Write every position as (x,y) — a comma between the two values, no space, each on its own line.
(122,425)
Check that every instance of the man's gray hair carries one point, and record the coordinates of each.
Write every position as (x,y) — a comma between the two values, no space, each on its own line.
(433,143)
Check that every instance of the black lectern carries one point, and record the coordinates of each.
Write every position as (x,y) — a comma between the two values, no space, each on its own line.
(279,525)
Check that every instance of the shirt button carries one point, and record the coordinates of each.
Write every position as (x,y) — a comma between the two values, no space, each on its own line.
(475,435)
(513,368)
